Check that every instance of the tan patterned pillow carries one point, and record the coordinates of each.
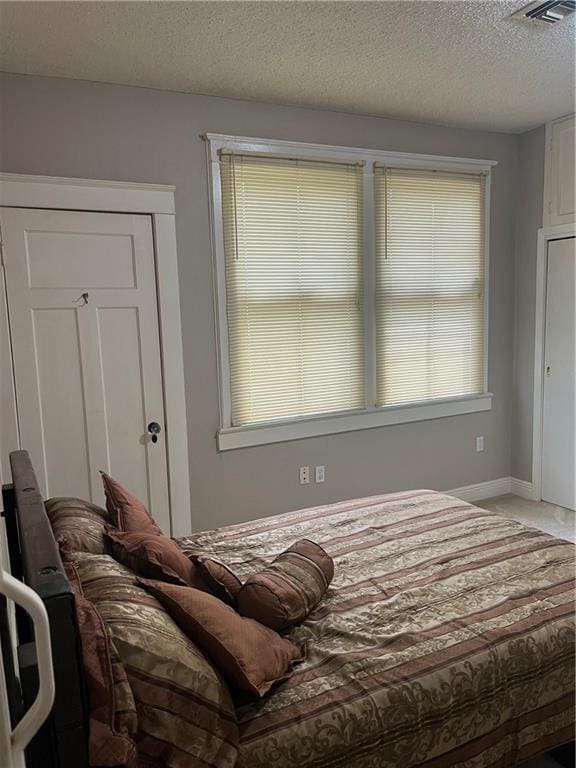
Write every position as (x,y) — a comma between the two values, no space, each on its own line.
(113,720)
(185,712)
(78,525)
(287,590)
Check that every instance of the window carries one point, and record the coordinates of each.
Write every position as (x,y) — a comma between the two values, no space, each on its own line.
(293,251)
(351,288)
(430,284)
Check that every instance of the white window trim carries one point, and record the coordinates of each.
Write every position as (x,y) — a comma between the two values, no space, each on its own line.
(229,437)
(348,421)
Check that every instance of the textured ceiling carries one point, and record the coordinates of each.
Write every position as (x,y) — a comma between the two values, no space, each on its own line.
(454,63)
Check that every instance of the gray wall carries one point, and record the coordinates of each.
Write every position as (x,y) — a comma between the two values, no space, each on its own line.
(73,128)
(530,196)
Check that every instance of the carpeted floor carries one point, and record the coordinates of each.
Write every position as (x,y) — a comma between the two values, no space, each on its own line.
(556,520)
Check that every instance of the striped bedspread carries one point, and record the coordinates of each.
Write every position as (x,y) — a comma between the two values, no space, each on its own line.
(446,638)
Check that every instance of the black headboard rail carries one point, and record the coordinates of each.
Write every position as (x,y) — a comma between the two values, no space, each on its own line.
(34,557)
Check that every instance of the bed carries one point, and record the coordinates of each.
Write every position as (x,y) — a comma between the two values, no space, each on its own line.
(446,638)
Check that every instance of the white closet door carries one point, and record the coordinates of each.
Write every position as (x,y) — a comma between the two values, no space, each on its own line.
(559,408)
(84,322)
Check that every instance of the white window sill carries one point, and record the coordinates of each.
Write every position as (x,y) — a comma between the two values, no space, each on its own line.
(301,428)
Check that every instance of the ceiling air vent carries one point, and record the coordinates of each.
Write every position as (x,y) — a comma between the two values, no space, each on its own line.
(550,12)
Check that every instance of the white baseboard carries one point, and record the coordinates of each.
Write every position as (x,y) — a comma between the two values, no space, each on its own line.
(523,488)
(483,490)
(498,487)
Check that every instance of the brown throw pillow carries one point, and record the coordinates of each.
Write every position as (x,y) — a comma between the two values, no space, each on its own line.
(156,557)
(113,720)
(287,590)
(126,510)
(220,580)
(247,654)
(185,713)
(78,525)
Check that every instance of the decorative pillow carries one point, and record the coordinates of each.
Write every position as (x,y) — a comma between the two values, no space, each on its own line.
(78,525)
(249,655)
(219,579)
(288,589)
(185,713)
(157,557)
(126,510)
(113,720)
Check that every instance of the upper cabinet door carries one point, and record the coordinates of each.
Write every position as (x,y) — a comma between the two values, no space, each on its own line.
(86,346)
(560,173)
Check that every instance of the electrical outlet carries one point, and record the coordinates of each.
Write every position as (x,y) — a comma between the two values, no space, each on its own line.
(319,473)
(304,475)
(480,444)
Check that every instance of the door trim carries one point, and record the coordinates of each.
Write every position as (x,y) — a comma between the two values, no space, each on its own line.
(23,191)
(545,235)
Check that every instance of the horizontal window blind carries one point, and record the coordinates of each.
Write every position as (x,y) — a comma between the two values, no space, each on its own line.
(430,284)
(293,260)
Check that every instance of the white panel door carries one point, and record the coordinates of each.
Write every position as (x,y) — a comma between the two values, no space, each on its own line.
(559,407)
(84,323)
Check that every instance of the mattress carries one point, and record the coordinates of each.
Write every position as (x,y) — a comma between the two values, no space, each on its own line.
(445,639)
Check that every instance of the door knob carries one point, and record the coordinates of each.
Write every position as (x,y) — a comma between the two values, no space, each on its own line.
(154,429)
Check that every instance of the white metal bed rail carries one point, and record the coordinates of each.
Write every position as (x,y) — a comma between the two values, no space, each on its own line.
(13,742)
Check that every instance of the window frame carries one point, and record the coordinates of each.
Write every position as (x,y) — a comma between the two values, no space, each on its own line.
(295,428)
